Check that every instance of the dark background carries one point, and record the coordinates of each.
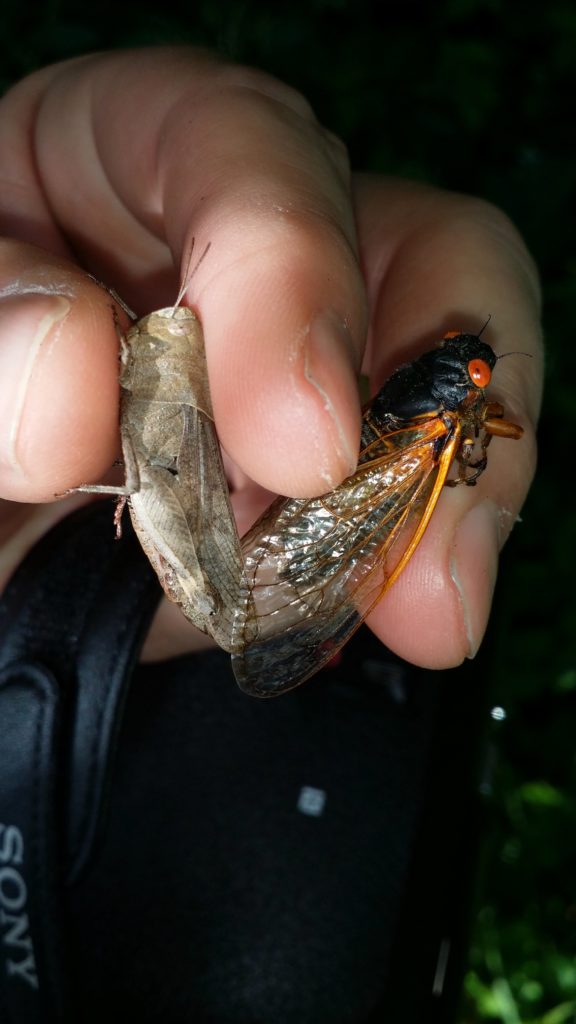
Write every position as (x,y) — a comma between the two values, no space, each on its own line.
(475,95)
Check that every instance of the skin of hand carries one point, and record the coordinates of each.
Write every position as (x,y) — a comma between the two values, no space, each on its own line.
(112,164)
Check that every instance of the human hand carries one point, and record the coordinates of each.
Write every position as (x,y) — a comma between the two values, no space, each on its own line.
(117,161)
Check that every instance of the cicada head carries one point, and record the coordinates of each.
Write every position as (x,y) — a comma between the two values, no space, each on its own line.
(461,364)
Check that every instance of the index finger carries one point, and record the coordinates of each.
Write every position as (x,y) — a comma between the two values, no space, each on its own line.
(228,156)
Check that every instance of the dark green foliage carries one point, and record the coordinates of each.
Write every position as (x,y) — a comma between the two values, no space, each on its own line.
(476,95)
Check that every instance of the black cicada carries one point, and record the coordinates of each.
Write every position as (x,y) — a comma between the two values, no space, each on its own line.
(315,568)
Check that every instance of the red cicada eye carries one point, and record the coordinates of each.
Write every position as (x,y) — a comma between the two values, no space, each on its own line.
(480,373)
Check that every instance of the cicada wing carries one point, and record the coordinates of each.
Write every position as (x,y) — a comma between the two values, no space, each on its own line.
(280,662)
(316,568)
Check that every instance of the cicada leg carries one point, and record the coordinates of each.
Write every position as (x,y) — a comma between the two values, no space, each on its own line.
(477,467)
(469,471)
(490,424)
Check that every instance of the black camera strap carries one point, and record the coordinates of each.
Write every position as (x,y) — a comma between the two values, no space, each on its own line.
(72,621)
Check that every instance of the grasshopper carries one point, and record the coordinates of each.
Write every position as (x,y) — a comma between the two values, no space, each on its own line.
(175,485)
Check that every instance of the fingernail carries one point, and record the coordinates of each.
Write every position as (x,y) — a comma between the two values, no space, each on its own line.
(474,567)
(29,324)
(328,366)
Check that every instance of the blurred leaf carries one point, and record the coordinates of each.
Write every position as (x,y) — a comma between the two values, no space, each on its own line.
(543,794)
(563,1014)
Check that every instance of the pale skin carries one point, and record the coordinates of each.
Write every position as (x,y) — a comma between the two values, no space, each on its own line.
(113,164)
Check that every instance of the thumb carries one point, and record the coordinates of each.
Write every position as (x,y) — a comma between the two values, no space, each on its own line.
(58,375)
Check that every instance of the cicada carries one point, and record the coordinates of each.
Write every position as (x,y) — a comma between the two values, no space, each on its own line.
(314,569)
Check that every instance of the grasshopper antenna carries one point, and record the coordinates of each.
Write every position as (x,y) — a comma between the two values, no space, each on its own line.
(190,274)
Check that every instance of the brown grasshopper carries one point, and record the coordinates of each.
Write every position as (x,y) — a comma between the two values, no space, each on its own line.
(175,484)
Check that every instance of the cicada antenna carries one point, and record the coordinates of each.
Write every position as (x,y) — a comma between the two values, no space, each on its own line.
(504,354)
(485,325)
(529,354)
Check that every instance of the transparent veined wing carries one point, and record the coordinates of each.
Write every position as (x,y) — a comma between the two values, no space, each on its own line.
(315,568)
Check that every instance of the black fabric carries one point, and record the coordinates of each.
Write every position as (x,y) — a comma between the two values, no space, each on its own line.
(268,914)
(197,854)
